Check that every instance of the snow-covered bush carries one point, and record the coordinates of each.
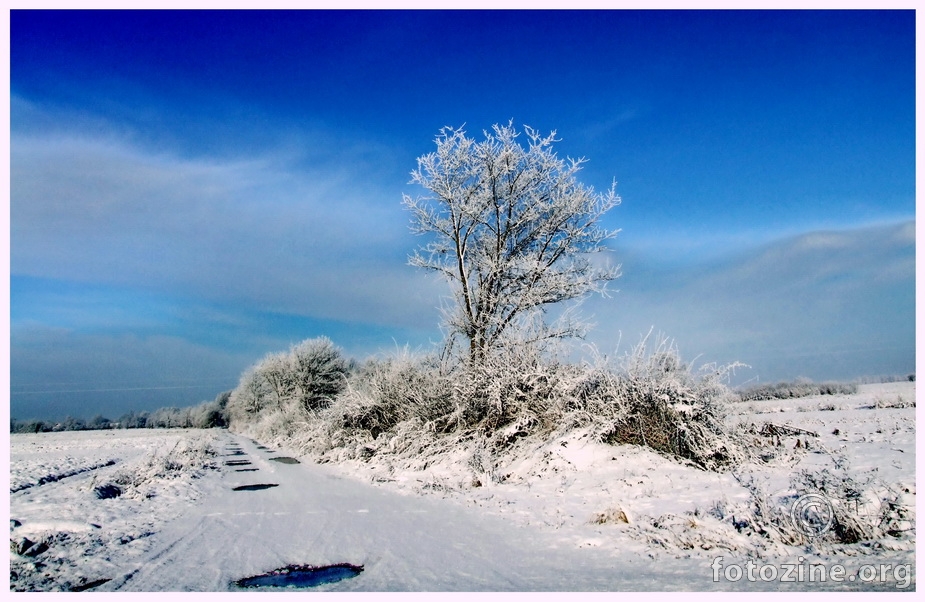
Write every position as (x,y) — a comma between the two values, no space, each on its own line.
(276,427)
(187,458)
(658,401)
(855,510)
(305,379)
(211,414)
(318,372)
(385,392)
(519,390)
(862,509)
(512,385)
(378,395)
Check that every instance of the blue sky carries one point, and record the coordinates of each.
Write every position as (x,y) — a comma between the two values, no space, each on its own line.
(192,190)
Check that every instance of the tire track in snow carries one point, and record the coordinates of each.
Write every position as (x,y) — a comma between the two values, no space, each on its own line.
(54,478)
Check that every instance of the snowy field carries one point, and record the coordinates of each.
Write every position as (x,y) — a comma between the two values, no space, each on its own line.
(194,510)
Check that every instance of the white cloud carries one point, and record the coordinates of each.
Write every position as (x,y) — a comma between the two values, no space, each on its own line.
(262,231)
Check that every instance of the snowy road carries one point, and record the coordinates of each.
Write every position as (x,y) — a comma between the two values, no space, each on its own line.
(405,543)
(202,529)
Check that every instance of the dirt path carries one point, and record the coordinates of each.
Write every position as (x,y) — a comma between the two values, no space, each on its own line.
(404,543)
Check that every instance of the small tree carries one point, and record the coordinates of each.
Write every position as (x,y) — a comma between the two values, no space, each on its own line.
(250,396)
(512,230)
(277,370)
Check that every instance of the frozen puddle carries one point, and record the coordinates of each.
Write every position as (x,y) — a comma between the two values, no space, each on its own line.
(284,460)
(256,487)
(302,576)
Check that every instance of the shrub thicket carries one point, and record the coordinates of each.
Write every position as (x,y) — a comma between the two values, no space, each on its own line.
(302,381)
(855,510)
(385,392)
(667,405)
(650,398)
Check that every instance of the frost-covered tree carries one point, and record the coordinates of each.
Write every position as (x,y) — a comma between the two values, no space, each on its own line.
(250,396)
(511,229)
(318,371)
(305,379)
(276,369)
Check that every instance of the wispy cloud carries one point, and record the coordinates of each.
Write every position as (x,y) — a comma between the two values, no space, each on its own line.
(833,304)
(606,126)
(267,231)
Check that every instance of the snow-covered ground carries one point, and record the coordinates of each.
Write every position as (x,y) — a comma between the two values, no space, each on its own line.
(67,529)
(563,514)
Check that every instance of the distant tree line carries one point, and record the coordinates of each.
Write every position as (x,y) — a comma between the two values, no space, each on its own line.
(804,387)
(886,378)
(796,389)
(208,414)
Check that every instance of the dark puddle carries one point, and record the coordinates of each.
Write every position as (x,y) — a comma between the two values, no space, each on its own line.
(237,462)
(261,447)
(302,576)
(256,487)
(235,453)
(247,470)
(285,460)
(89,585)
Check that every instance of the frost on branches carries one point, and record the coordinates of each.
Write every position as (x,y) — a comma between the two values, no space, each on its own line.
(512,230)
